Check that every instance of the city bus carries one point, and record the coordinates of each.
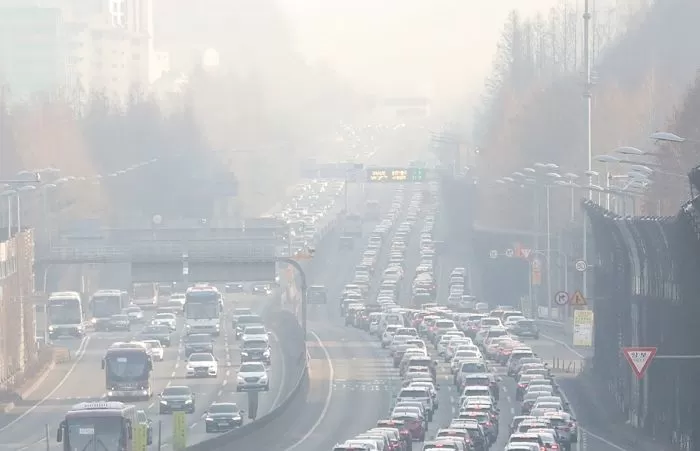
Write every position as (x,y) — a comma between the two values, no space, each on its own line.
(64,312)
(203,308)
(128,368)
(145,295)
(98,426)
(104,304)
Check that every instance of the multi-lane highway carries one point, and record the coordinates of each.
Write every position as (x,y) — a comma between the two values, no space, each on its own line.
(83,380)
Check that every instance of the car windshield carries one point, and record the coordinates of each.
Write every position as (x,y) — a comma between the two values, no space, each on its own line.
(254,344)
(176,391)
(198,338)
(249,319)
(120,317)
(255,330)
(223,408)
(413,393)
(241,311)
(153,343)
(201,357)
(165,316)
(252,367)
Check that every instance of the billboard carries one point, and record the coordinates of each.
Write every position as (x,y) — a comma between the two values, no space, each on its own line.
(583,328)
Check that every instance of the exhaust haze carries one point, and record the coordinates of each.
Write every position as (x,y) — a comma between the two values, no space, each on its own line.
(441,49)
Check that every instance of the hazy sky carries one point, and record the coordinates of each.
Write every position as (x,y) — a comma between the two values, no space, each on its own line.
(411,47)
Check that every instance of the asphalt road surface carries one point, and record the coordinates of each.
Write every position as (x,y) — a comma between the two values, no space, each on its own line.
(83,380)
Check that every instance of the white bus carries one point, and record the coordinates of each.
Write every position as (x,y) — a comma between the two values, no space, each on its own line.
(64,312)
(145,295)
(203,308)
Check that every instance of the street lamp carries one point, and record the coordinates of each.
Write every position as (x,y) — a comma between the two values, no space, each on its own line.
(667,137)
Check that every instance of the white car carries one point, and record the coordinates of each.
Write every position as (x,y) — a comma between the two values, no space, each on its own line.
(157,351)
(165,319)
(202,364)
(252,376)
(388,335)
(255,333)
(135,313)
(179,297)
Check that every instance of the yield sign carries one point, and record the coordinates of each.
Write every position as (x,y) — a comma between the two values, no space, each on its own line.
(639,359)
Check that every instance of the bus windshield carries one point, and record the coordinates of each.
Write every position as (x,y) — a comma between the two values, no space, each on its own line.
(201,310)
(65,311)
(106,306)
(124,366)
(96,433)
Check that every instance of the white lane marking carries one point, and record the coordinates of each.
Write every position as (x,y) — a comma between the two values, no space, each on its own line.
(78,357)
(283,374)
(329,395)
(193,425)
(599,438)
(559,342)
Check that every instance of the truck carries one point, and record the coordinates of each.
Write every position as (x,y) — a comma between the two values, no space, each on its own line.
(145,295)
(98,426)
(352,226)
(203,309)
(64,311)
(128,370)
(105,303)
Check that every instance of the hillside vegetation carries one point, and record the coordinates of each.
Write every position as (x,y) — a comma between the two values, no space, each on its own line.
(534,110)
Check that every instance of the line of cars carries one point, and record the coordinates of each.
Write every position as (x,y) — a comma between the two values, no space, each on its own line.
(388,249)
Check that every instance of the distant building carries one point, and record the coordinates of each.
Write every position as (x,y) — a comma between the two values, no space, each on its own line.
(33,56)
(78,46)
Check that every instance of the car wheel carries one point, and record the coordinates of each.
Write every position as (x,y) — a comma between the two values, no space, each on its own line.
(267,387)
(161,411)
(207,430)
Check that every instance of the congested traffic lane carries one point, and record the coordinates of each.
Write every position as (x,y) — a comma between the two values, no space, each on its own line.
(83,380)
(357,365)
(552,349)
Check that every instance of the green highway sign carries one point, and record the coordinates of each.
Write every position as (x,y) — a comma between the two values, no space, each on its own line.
(396,174)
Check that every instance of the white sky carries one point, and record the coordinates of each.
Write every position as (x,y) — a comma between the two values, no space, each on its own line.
(436,48)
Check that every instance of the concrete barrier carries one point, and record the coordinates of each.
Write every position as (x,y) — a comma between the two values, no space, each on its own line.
(293,348)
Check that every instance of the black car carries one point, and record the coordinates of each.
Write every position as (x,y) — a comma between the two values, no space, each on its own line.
(526,328)
(119,322)
(234,287)
(156,332)
(244,321)
(177,399)
(223,416)
(256,350)
(198,343)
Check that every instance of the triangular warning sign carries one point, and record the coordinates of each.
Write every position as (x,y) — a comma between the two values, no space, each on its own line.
(639,359)
(577,299)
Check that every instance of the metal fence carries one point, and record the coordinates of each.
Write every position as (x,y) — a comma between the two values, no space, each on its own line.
(18,347)
(647,293)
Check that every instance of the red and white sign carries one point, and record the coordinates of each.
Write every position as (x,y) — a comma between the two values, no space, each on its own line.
(639,359)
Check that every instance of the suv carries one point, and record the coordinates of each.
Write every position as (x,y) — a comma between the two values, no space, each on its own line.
(421,394)
(198,343)
(255,350)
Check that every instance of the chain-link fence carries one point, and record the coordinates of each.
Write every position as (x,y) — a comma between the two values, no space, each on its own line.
(646,287)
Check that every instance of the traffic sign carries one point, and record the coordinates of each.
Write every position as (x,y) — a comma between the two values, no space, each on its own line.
(578,299)
(581,265)
(493,253)
(179,431)
(561,298)
(509,252)
(639,359)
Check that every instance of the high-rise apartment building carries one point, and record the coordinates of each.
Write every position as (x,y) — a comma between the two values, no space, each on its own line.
(80,46)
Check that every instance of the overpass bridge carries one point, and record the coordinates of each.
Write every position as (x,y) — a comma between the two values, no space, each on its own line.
(174,254)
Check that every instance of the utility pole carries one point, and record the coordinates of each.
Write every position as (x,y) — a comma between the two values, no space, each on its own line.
(589,144)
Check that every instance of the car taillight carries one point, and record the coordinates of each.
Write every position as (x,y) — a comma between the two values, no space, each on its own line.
(487,424)
(542,448)
(521,385)
(555,446)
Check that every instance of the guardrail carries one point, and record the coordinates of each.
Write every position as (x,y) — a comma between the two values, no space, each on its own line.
(291,338)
